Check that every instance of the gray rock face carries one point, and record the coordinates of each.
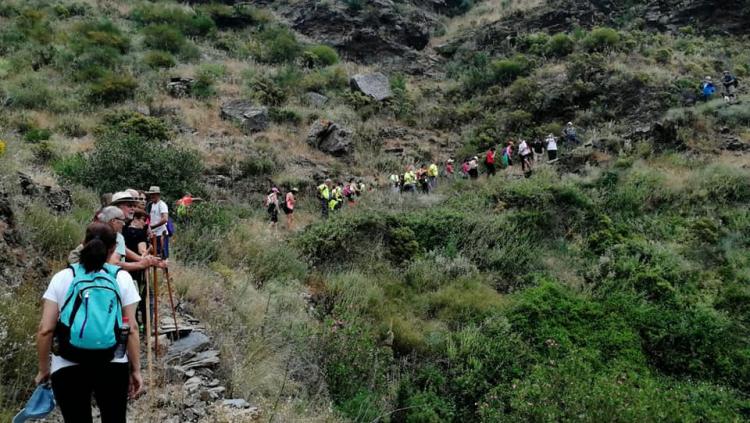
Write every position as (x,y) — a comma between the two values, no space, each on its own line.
(330,138)
(315,99)
(375,85)
(58,199)
(250,117)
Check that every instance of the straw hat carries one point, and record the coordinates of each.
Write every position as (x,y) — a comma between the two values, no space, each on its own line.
(153,190)
(122,197)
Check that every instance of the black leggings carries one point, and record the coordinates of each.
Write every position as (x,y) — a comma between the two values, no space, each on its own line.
(108,382)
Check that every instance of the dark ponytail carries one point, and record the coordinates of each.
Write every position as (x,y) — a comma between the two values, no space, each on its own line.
(100,239)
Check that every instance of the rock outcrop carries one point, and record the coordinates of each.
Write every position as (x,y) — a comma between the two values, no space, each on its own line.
(330,138)
(375,85)
(249,117)
(58,199)
(382,31)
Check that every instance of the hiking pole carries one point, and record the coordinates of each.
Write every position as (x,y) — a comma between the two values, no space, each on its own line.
(171,303)
(156,304)
(148,332)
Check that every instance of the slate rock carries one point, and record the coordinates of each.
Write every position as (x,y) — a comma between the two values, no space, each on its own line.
(330,138)
(316,100)
(194,343)
(250,117)
(375,85)
(235,403)
(180,86)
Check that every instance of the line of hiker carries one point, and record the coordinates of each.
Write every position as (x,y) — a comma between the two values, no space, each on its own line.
(88,340)
(332,195)
(728,81)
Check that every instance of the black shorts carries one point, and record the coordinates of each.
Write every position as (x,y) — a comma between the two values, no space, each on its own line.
(287,210)
(490,168)
(273,213)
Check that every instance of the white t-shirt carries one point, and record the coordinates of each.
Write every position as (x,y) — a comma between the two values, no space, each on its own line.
(58,288)
(551,144)
(524,149)
(157,209)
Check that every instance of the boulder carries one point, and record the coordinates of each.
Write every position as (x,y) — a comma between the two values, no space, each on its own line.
(375,85)
(250,117)
(316,100)
(330,138)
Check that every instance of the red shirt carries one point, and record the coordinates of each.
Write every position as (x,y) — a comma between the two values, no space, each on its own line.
(490,157)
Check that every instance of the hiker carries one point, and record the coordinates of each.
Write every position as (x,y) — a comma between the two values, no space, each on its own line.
(465,169)
(395,183)
(136,239)
(525,152)
(422,178)
(570,134)
(289,202)
(350,192)
(271,203)
(432,174)
(474,168)
(324,195)
(489,162)
(707,88)
(537,147)
(551,147)
(338,196)
(183,204)
(508,155)
(449,168)
(158,219)
(410,180)
(730,87)
(78,367)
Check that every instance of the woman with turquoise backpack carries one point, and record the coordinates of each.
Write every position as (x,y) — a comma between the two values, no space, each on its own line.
(87,312)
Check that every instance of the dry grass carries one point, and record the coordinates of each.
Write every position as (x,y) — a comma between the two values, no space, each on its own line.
(484,13)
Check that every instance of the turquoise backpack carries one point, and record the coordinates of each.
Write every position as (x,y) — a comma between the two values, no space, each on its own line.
(90,318)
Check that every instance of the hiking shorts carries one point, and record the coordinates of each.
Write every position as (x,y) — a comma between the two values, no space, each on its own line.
(490,169)
(551,154)
(273,213)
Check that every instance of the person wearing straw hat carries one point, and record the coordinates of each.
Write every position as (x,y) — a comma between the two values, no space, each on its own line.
(159,215)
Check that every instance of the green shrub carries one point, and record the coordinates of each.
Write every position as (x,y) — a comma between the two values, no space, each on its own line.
(163,37)
(663,56)
(30,91)
(186,21)
(278,45)
(112,88)
(559,45)
(159,59)
(321,55)
(282,116)
(505,71)
(235,16)
(354,5)
(602,39)
(54,235)
(133,124)
(101,34)
(117,162)
(205,78)
(36,135)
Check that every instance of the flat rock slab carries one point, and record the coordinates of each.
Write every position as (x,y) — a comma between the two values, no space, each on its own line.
(375,85)
(205,359)
(195,342)
(250,117)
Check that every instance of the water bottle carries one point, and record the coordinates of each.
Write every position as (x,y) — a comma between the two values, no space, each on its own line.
(122,338)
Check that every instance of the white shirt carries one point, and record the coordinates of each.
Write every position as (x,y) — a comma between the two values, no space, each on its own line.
(157,209)
(551,143)
(523,149)
(58,288)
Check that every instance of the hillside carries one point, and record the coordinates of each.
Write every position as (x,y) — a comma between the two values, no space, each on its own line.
(609,285)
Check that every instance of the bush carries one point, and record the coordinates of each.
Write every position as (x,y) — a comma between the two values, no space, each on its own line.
(133,124)
(124,161)
(602,39)
(29,91)
(112,88)
(235,16)
(560,45)
(205,78)
(163,37)
(71,127)
(505,71)
(278,45)
(321,55)
(37,134)
(159,59)
(186,21)
(282,116)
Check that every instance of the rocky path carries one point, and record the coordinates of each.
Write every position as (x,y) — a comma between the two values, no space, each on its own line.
(186,386)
